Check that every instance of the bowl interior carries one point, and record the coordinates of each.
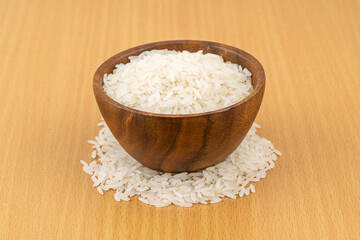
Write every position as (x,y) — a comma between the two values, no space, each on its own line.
(229,53)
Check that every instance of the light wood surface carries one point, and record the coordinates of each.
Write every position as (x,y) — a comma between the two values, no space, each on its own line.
(311,54)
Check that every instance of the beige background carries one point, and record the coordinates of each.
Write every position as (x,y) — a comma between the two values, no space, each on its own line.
(311,54)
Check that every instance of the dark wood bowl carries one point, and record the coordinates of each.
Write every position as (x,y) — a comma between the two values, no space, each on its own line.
(176,142)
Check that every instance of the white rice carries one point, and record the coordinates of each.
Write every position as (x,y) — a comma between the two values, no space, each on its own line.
(173,82)
(115,169)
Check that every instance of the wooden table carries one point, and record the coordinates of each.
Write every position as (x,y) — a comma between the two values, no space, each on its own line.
(311,54)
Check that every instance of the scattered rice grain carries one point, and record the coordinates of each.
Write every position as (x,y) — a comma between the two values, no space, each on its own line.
(118,171)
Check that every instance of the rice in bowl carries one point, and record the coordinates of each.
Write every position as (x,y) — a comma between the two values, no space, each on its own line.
(177,82)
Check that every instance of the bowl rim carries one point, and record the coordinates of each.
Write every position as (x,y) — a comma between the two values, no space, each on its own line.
(98,77)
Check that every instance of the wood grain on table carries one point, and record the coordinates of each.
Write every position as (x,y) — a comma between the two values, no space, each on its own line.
(311,54)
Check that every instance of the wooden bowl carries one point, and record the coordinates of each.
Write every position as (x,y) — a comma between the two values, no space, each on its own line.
(175,142)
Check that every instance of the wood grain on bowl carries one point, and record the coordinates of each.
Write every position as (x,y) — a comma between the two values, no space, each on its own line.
(175,142)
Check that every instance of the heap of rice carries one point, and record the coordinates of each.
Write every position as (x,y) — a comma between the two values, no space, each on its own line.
(115,169)
(172,82)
